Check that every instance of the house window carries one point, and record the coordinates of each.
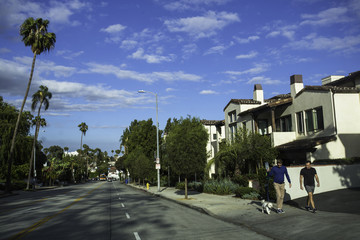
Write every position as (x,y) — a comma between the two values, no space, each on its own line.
(300,122)
(232,131)
(263,127)
(232,117)
(283,124)
(214,136)
(314,119)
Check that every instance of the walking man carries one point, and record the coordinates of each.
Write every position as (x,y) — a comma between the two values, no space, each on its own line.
(278,173)
(308,174)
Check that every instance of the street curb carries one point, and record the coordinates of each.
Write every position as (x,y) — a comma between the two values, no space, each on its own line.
(207,212)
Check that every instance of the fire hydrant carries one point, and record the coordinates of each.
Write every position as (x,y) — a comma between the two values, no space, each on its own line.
(147,186)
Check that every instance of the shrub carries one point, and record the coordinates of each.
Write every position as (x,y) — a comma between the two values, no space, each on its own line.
(197,186)
(264,182)
(15,185)
(251,196)
(242,180)
(222,187)
(180,185)
(241,191)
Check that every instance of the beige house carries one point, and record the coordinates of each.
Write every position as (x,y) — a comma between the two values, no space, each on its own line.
(309,123)
(216,131)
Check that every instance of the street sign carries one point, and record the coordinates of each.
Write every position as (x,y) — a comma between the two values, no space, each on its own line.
(157,166)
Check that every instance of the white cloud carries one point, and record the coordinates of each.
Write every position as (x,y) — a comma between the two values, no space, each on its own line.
(67,54)
(170,89)
(151,58)
(251,54)
(216,50)
(4,50)
(314,42)
(208,92)
(263,80)
(258,68)
(287,31)
(189,49)
(57,12)
(246,40)
(326,17)
(128,44)
(116,28)
(202,26)
(142,77)
(181,5)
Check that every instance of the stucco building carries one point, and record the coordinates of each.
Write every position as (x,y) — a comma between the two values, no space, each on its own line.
(216,131)
(309,123)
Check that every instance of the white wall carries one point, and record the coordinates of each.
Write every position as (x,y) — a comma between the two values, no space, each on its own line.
(332,177)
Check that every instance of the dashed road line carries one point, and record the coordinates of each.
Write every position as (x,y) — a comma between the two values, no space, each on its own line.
(137,237)
(127,215)
(122,205)
(48,218)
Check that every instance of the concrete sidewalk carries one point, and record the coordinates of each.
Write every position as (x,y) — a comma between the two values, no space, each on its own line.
(296,223)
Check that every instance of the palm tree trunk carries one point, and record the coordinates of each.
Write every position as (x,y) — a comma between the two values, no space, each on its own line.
(34,145)
(186,189)
(8,177)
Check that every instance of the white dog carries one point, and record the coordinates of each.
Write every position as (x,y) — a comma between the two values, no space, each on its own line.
(266,207)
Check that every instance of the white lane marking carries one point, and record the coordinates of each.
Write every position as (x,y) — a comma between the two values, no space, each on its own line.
(127,215)
(119,198)
(137,237)
(122,205)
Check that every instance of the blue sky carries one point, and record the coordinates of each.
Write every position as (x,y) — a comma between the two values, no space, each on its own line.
(196,54)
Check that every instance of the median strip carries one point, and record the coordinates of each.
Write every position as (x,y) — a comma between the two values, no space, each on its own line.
(48,218)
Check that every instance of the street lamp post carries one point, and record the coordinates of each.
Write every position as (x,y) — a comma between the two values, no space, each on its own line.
(157,139)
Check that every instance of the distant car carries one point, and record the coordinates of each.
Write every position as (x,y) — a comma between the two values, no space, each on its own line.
(102,177)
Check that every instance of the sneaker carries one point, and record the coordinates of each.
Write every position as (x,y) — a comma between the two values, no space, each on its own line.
(307,208)
(278,211)
(282,211)
(314,210)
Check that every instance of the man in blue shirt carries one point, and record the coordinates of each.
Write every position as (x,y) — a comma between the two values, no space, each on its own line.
(278,173)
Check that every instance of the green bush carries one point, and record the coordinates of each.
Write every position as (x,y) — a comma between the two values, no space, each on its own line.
(263,182)
(242,180)
(180,185)
(197,186)
(16,185)
(221,187)
(241,191)
(251,196)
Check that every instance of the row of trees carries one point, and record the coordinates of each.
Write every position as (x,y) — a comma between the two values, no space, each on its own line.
(183,149)
(34,33)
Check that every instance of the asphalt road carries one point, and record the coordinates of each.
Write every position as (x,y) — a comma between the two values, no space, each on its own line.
(107,210)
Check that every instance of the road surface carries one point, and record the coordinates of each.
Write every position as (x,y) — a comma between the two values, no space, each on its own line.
(107,210)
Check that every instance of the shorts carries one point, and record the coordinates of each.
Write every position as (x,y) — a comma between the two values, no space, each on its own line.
(310,188)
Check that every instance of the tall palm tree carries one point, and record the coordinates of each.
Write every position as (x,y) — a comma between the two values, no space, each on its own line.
(41,97)
(34,33)
(83,128)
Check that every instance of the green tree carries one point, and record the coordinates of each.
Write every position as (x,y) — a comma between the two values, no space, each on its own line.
(186,148)
(34,33)
(83,129)
(139,135)
(8,117)
(41,97)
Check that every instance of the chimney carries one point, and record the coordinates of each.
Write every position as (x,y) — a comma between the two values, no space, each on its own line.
(258,94)
(296,84)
